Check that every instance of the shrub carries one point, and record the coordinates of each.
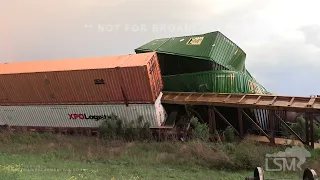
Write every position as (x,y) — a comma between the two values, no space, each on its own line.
(115,128)
(229,134)
(110,127)
(201,131)
(300,128)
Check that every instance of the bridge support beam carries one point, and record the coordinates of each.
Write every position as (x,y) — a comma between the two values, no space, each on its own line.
(256,125)
(212,121)
(272,126)
(240,116)
(289,128)
(226,121)
(309,123)
(315,119)
(311,132)
(307,126)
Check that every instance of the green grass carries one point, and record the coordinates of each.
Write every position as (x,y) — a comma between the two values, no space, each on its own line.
(37,167)
(45,156)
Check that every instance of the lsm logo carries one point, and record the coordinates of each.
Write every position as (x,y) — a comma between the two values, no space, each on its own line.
(85,116)
(289,160)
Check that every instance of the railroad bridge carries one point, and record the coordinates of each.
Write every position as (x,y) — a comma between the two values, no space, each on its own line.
(310,106)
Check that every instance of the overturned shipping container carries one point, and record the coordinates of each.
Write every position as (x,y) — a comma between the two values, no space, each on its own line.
(196,53)
(80,116)
(222,82)
(114,79)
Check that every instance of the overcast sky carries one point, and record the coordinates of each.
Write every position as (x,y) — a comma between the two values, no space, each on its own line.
(281,37)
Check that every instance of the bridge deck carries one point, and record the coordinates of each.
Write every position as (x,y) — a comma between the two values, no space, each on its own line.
(272,102)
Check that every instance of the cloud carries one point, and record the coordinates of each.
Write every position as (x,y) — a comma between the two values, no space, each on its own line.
(286,65)
(312,34)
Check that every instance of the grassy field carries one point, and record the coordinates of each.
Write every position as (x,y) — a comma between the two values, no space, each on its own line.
(46,156)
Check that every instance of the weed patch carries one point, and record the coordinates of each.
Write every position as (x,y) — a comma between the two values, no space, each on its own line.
(115,128)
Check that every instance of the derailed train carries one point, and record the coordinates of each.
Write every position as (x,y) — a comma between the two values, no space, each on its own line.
(62,93)
(208,62)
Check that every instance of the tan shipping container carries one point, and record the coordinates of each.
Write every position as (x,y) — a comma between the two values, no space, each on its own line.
(115,79)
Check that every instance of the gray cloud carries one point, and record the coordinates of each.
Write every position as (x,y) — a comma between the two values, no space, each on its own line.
(286,66)
(312,34)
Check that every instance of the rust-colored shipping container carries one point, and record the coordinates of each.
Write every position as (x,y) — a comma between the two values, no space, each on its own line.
(115,79)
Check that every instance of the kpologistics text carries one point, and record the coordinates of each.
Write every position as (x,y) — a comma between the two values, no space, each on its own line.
(84,116)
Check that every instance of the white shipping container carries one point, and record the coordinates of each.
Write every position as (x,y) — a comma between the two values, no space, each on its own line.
(89,116)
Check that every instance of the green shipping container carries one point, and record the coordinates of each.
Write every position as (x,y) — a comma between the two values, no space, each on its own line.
(214,81)
(196,53)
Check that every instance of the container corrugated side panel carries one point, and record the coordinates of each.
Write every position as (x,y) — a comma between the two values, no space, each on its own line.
(58,116)
(213,81)
(278,124)
(244,84)
(193,82)
(139,85)
(139,91)
(71,87)
(155,77)
(224,82)
(84,89)
(228,53)
(210,81)
(262,117)
(218,52)
(65,86)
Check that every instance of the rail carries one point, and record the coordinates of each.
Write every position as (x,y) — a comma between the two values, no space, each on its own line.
(272,102)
